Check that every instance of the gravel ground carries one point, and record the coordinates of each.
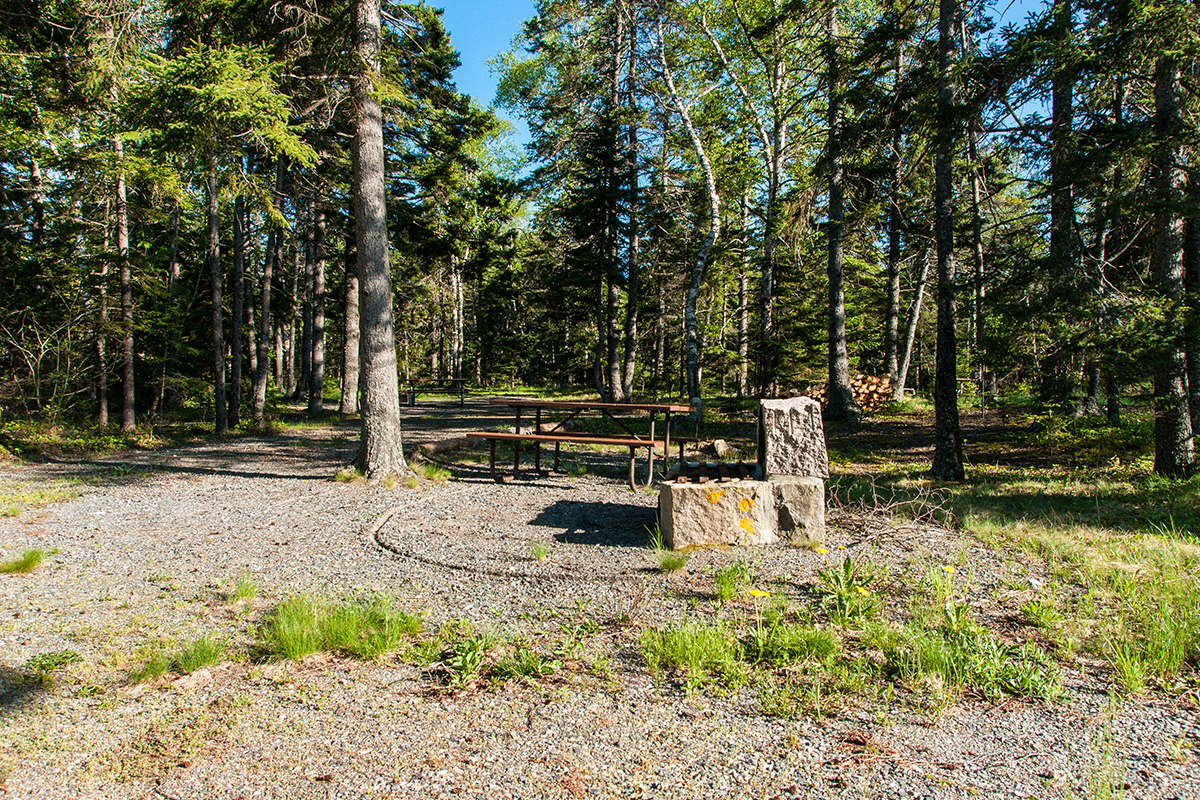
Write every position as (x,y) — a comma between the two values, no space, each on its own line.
(151,544)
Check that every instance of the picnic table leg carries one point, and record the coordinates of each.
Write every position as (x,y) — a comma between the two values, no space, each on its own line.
(492,462)
(667,445)
(632,462)
(537,446)
(650,457)
(517,446)
(557,445)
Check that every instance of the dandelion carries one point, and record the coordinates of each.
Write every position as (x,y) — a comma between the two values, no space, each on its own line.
(861,591)
(759,593)
(949,569)
(821,550)
(841,547)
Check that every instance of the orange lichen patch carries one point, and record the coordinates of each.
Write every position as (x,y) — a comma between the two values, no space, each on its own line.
(747,526)
(715,496)
(746,504)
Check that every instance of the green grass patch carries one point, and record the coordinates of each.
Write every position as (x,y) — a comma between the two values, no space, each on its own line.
(706,654)
(365,628)
(430,471)
(203,652)
(28,562)
(731,580)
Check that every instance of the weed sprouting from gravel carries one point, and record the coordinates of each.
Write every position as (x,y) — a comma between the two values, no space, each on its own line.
(669,561)
(522,661)
(706,653)
(245,588)
(430,471)
(28,562)
(538,551)
(43,666)
(731,580)
(206,650)
(365,628)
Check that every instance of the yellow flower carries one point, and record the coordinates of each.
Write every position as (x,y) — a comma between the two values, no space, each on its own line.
(949,569)
(861,591)
(841,547)
(821,550)
(759,593)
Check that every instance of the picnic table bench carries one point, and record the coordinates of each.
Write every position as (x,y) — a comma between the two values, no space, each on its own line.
(451,386)
(558,435)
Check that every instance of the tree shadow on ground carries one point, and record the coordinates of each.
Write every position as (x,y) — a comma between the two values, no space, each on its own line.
(608,524)
(18,690)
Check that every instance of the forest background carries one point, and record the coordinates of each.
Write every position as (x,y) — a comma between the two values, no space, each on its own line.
(718,198)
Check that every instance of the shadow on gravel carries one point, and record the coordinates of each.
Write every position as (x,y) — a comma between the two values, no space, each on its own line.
(17,690)
(608,524)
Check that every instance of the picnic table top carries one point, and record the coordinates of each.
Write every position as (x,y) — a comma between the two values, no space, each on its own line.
(575,405)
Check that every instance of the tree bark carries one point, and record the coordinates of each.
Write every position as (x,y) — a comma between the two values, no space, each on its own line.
(316,379)
(891,324)
(947,436)
(128,400)
(1174,450)
(239,308)
(380,450)
(633,267)
(1191,271)
(214,283)
(458,318)
(350,344)
(910,330)
(839,404)
(102,335)
(744,303)
(264,339)
(691,332)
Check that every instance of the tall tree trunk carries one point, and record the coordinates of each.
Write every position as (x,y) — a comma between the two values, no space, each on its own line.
(691,332)
(910,329)
(170,391)
(294,310)
(37,197)
(1191,271)
(744,303)
(128,400)
(987,386)
(102,334)
(239,308)
(264,340)
(214,283)
(947,437)
(839,404)
(891,324)
(380,451)
(316,379)
(457,317)
(633,266)
(304,387)
(1174,450)
(349,404)
(1064,255)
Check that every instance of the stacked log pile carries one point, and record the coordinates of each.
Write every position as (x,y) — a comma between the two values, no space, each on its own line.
(871,393)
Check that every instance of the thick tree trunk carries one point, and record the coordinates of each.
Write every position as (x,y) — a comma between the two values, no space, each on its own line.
(1174,450)
(214,284)
(316,379)
(239,309)
(839,404)
(633,266)
(349,404)
(380,451)
(306,308)
(170,389)
(947,437)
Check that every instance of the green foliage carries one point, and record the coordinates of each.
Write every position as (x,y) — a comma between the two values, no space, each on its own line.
(845,591)
(731,580)
(430,471)
(28,562)
(707,654)
(245,589)
(202,652)
(522,661)
(365,627)
(780,644)
(43,666)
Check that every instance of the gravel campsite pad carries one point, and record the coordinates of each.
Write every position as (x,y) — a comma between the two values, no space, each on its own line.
(149,546)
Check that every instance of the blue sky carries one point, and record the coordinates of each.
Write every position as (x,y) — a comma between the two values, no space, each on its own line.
(480,30)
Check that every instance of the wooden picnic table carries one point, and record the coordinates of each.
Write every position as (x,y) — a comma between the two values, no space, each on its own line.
(618,413)
(449,386)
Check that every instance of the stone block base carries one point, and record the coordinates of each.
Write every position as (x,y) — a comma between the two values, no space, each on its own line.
(799,507)
(737,513)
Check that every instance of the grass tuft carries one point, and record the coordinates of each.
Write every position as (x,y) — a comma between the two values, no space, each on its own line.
(365,628)
(430,471)
(731,580)
(706,654)
(28,562)
(206,650)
